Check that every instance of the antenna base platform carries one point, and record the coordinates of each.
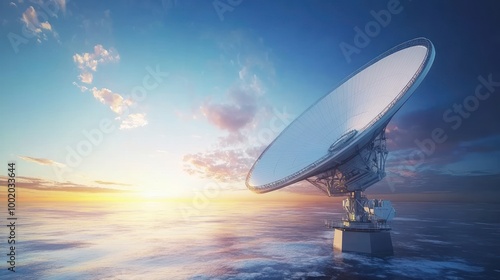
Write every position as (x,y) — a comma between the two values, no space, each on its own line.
(373,242)
(365,228)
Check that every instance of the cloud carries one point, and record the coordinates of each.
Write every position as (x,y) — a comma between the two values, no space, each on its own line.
(246,96)
(234,115)
(418,179)
(88,62)
(46,25)
(86,77)
(232,156)
(82,88)
(41,161)
(111,183)
(243,73)
(30,20)
(412,151)
(133,121)
(62,5)
(419,124)
(230,165)
(47,185)
(243,114)
(114,100)
(33,24)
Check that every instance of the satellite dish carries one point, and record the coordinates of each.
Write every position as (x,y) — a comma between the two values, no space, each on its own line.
(342,122)
(338,144)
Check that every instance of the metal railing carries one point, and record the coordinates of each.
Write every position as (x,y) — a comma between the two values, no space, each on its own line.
(357,226)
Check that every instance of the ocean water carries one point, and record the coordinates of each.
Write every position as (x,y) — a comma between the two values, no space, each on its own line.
(257,240)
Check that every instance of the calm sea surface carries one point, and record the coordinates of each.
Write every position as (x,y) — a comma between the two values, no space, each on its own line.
(245,241)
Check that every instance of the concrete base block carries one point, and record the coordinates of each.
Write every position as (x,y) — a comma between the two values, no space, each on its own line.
(369,242)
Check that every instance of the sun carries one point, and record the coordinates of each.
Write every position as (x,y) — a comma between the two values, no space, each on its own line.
(154,194)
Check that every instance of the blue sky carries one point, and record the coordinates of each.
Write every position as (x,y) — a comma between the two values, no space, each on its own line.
(191,91)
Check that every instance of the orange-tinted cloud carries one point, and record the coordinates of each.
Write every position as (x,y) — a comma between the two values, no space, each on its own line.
(30,20)
(47,185)
(88,62)
(42,161)
(115,101)
(230,165)
(235,114)
(111,183)
(133,121)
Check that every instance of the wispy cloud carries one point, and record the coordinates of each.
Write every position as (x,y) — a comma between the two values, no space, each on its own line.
(412,150)
(86,77)
(242,113)
(46,185)
(82,88)
(62,5)
(33,24)
(243,99)
(115,101)
(88,62)
(235,114)
(133,121)
(111,183)
(230,165)
(42,161)
(232,156)
(30,19)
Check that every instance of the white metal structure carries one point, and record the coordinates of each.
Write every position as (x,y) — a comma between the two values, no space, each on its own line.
(339,143)
(346,119)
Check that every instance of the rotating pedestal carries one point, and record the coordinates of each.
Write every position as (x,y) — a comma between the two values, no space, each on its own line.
(365,228)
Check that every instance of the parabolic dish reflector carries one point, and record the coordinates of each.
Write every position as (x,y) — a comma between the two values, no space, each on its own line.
(344,120)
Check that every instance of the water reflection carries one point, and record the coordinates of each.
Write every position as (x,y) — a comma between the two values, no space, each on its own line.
(245,240)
